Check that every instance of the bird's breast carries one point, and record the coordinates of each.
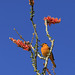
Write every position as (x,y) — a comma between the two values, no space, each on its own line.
(45,51)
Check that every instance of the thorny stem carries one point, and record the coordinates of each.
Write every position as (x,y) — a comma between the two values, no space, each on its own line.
(52,44)
(36,46)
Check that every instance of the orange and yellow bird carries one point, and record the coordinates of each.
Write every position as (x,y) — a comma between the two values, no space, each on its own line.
(45,50)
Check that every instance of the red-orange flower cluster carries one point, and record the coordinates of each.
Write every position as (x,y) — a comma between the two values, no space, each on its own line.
(31,2)
(51,20)
(25,45)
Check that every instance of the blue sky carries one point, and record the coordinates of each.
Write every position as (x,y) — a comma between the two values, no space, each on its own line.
(15,14)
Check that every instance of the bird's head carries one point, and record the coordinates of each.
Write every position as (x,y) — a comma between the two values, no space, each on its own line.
(44,44)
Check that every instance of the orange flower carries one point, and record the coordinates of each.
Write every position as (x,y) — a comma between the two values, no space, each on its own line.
(31,2)
(25,45)
(51,20)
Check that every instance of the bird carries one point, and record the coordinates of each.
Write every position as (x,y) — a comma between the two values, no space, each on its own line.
(45,50)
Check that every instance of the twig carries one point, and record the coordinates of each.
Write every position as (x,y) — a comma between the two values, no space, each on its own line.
(32,38)
(47,30)
(19,34)
(41,57)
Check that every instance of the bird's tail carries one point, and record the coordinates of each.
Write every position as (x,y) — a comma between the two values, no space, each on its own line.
(52,60)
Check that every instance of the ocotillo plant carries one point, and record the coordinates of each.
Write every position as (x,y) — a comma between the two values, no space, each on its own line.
(45,49)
